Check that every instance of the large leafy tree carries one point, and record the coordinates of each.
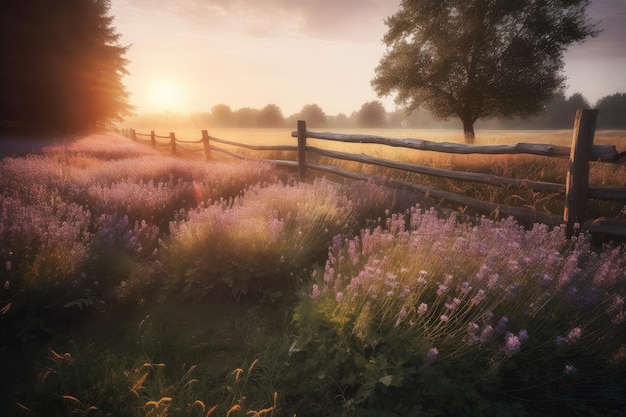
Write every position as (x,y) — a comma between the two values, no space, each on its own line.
(476,59)
(61,66)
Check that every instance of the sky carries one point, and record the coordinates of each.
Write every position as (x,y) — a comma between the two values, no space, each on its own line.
(190,55)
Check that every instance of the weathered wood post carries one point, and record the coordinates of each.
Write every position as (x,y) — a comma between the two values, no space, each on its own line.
(152,138)
(205,141)
(133,134)
(577,181)
(173,142)
(302,149)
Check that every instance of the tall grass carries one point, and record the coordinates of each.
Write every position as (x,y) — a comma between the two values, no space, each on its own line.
(442,317)
(95,236)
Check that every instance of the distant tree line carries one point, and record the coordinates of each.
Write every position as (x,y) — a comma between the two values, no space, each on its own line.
(558,114)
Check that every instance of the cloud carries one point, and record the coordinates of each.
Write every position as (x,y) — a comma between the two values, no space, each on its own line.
(354,20)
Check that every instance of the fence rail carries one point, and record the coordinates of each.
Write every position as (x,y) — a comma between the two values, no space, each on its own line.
(576,190)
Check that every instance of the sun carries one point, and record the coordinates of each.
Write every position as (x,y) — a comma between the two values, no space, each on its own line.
(167,95)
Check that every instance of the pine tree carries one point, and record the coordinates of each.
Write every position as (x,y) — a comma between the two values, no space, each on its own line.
(62,65)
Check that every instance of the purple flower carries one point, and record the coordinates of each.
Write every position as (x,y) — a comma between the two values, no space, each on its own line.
(574,335)
(431,356)
(486,334)
(502,323)
(570,370)
(316,291)
(472,328)
(421,310)
(454,304)
(339,296)
(512,344)
(523,335)
(479,297)
(442,289)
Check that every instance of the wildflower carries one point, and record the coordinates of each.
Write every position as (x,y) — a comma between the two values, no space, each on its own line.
(353,252)
(7,285)
(8,265)
(486,334)
(431,356)
(442,289)
(479,297)
(570,370)
(454,304)
(472,328)
(401,316)
(339,296)
(501,326)
(512,344)
(574,335)
(444,318)
(513,266)
(316,291)
(488,317)
(523,335)
(512,290)
(421,310)
(493,280)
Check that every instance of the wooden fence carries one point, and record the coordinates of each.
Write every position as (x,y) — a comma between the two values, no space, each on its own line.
(576,190)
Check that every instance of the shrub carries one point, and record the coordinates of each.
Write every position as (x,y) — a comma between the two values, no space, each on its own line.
(262,241)
(432,315)
(43,247)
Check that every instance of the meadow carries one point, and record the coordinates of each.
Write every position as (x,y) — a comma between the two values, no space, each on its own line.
(137,284)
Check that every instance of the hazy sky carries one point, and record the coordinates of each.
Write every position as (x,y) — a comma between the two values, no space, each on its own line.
(189,55)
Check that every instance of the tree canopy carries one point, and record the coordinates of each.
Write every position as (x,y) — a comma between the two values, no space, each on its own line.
(61,65)
(476,59)
(372,114)
(612,111)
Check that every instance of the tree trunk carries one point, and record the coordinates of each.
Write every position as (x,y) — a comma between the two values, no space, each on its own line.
(468,130)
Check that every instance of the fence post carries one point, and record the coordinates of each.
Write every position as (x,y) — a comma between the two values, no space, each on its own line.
(133,134)
(205,141)
(302,149)
(152,138)
(577,181)
(173,142)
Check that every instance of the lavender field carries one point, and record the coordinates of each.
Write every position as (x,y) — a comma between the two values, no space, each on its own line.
(138,284)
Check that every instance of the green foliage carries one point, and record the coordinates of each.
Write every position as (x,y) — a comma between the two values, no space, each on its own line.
(99,380)
(477,59)
(612,109)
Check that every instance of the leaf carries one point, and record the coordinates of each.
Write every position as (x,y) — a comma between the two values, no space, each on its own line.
(386,380)
(391,380)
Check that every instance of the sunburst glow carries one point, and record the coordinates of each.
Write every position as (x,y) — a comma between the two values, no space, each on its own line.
(167,95)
